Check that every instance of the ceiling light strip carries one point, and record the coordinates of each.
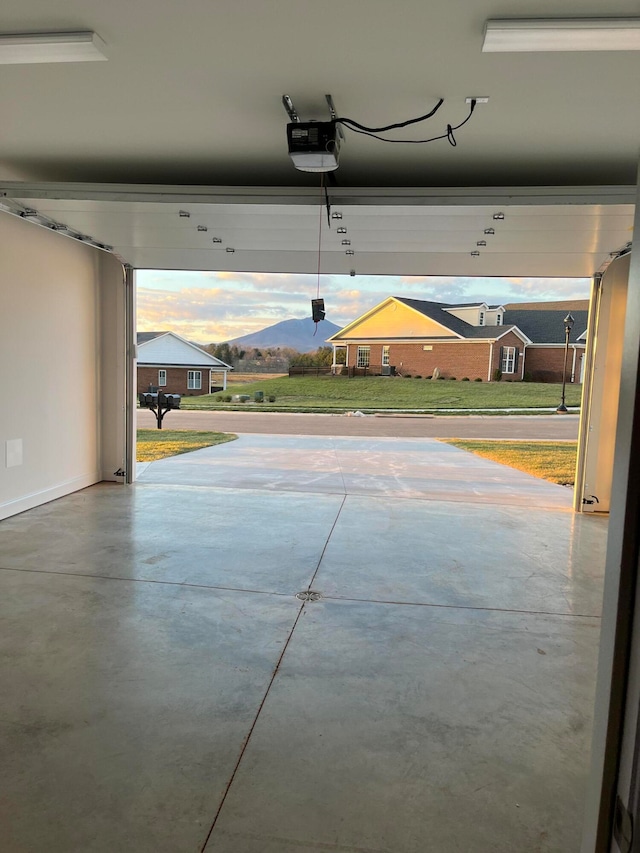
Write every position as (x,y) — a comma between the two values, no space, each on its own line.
(34,48)
(533,35)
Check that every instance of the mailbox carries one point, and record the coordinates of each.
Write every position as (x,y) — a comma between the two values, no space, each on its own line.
(159,403)
(173,401)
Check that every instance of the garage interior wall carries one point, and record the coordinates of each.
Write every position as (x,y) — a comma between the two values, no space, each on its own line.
(60,369)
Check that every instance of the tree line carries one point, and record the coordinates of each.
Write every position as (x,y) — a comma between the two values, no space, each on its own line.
(274,359)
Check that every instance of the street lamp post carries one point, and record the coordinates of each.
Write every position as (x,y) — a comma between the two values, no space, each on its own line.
(568,325)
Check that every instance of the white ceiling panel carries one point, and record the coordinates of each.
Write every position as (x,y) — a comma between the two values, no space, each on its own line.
(191,94)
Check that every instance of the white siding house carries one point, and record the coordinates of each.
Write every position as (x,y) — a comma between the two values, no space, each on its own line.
(170,362)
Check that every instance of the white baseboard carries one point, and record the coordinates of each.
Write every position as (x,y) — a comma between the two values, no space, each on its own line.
(25,502)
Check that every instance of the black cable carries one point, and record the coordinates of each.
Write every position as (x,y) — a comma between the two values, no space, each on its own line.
(448,135)
(350,121)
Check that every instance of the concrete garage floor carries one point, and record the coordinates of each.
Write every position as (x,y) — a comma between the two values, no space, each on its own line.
(165,691)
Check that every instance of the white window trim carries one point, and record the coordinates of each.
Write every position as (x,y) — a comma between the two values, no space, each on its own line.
(508,358)
(386,359)
(194,380)
(363,353)
(162,375)
(481,318)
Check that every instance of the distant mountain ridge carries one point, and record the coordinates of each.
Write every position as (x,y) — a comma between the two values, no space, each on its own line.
(296,334)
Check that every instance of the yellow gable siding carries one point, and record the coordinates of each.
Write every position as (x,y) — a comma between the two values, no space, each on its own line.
(396,320)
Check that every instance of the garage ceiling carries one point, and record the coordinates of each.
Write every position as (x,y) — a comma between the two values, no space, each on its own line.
(191,97)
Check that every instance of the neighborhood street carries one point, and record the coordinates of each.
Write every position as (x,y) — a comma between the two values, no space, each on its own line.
(525,427)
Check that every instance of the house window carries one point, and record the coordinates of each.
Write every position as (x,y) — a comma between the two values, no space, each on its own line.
(481,319)
(363,356)
(194,380)
(508,360)
(385,355)
(498,319)
(162,378)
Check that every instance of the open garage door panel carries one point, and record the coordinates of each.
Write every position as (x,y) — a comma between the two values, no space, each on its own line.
(538,232)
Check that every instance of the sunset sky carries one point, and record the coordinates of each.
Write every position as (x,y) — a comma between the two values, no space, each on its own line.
(211,307)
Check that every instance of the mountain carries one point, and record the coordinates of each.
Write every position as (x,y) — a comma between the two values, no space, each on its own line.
(297,334)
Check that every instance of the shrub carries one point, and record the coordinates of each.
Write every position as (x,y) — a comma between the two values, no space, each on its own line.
(417,376)
(271,398)
(528,377)
(453,378)
(428,377)
(227,398)
(497,375)
(219,398)
(407,376)
(477,379)
(442,377)
(465,379)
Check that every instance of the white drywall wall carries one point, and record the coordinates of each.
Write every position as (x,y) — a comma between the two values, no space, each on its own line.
(56,317)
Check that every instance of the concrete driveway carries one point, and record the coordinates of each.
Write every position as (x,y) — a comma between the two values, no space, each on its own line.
(421,468)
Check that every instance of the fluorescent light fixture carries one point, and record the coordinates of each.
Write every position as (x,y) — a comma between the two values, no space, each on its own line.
(27,48)
(561,34)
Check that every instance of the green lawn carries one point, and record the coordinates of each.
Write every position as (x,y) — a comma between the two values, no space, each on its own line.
(328,393)
(550,460)
(155,444)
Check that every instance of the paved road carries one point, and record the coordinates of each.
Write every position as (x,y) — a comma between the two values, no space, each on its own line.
(561,427)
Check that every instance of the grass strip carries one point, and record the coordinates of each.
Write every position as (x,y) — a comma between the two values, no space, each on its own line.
(156,444)
(549,460)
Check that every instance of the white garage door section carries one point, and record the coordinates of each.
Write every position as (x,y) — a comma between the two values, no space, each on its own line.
(545,232)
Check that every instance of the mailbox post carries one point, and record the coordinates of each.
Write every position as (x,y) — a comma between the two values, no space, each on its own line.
(159,403)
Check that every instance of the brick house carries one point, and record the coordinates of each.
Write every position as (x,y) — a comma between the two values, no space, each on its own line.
(474,341)
(543,323)
(175,365)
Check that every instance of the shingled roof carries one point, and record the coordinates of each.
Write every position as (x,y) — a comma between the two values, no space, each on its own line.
(143,337)
(547,327)
(540,326)
(437,311)
(434,310)
(557,305)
